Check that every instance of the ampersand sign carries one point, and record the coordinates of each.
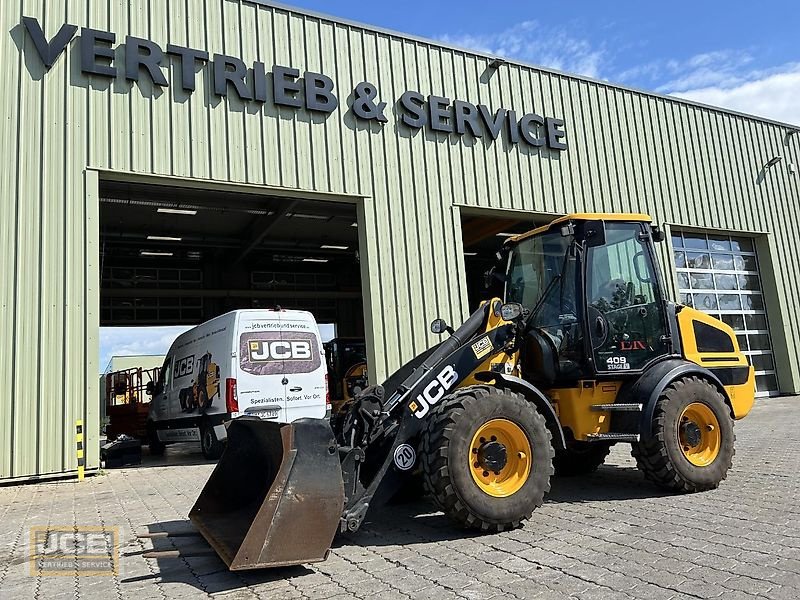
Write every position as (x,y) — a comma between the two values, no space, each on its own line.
(364,103)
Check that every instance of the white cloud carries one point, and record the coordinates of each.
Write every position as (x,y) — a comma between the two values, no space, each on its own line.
(131,341)
(529,41)
(773,95)
(717,68)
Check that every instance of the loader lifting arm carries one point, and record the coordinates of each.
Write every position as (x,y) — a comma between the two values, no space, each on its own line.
(270,502)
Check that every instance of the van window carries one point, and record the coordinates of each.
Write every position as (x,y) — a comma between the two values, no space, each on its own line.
(165,377)
(274,352)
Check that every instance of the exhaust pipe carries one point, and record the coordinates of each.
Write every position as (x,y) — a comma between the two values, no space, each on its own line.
(275,497)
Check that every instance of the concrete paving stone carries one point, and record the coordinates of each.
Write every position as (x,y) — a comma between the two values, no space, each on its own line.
(749,585)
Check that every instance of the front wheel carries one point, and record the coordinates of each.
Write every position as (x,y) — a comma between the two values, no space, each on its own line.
(212,448)
(487,458)
(157,447)
(691,448)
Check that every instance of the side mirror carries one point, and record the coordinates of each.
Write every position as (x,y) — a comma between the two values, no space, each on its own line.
(439,326)
(594,233)
(658,234)
(511,311)
(150,388)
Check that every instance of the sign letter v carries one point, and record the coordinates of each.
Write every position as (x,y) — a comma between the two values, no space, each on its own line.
(49,51)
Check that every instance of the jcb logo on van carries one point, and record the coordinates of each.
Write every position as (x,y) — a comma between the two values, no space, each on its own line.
(433,392)
(184,366)
(265,350)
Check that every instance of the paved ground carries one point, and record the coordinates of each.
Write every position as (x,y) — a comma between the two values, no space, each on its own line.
(611,535)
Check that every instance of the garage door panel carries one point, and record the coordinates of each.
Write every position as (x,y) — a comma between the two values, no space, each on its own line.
(719,274)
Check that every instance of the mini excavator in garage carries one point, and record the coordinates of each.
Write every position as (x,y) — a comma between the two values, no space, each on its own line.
(584,351)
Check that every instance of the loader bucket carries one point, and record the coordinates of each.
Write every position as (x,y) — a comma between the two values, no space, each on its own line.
(275,497)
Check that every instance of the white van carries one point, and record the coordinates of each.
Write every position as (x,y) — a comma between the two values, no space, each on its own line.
(264,363)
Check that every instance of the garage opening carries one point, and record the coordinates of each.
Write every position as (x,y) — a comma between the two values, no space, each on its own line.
(173,257)
(483,236)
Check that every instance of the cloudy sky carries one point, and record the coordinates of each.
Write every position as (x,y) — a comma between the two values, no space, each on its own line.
(736,54)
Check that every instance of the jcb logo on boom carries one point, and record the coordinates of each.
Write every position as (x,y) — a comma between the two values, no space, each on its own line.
(433,392)
(262,351)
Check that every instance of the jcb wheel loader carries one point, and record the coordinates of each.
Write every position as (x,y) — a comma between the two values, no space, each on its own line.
(583,351)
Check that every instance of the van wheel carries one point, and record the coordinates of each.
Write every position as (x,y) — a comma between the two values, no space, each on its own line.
(156,446)
(212,448)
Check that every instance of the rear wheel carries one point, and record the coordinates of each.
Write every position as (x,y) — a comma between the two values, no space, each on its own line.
(487,458)
(691,448)
(212,448)
(580,458)
(155,445)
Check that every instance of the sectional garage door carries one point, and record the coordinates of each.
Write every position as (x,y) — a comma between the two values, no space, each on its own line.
(719,274)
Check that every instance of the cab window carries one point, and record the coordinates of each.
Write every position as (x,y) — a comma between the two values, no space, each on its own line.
(624,305)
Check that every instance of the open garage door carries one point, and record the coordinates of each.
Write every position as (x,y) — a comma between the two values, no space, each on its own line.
(483,235)
(180,256)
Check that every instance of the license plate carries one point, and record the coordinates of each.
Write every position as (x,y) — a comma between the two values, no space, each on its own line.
(265,414)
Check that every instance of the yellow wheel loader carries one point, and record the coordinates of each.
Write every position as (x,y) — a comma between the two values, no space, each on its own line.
(582,352)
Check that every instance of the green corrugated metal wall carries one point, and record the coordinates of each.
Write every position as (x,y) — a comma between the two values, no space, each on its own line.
(627,151)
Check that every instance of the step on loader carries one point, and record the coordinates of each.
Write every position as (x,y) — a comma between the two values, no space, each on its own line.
(582,351)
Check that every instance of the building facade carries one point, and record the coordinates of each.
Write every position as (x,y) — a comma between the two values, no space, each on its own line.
(256,98)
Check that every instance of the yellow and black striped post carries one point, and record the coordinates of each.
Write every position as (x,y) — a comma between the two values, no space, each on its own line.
(79,445)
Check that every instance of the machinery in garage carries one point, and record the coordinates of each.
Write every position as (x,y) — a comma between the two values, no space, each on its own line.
(583,351)
(127,402)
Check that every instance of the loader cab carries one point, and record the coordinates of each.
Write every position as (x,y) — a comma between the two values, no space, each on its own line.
(595,296)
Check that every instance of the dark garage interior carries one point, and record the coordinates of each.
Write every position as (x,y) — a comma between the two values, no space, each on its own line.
(180,256)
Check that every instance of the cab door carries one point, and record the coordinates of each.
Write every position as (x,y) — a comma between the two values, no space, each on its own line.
(624,300)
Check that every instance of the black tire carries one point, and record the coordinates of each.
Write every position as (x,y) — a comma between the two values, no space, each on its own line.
(212,448)
(580,458)
(661,458)
(447,475)
(156,446)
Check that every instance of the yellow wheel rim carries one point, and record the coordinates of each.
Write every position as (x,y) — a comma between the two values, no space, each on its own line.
(500,458)
(698,434)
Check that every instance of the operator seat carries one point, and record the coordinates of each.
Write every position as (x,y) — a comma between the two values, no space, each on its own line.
(542,363)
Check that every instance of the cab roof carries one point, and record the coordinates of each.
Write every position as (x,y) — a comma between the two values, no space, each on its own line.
(638,217)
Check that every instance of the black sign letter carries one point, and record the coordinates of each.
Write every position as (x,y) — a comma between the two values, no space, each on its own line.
(414,105)
(467,118)
(528,128)
(223,74)
(493,124)
(439,109)
(513,129)
(91,52)
(285,86)
(49,51)
(554,134)
(150,59)
(319,93)
(188,58)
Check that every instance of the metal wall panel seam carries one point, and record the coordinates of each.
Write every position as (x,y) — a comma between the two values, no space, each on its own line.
(91,412)
(9,135)
(777,215)
(410,287)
